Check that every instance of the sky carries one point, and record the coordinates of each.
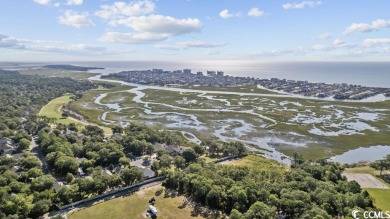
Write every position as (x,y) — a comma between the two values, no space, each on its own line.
(182,30)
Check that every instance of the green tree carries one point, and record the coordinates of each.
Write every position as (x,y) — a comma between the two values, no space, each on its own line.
(42,183)
(235,214)
(132,175)
(69,177)
(297,159)
(66,164)
(73,127)
(165,161)
(199,150)
(23,144)
(179,162)
(117,129)
(31,161)
(189,155)
(93,131)
(124,161)
(260,210)
(213,148)
(67,194)
(40,208)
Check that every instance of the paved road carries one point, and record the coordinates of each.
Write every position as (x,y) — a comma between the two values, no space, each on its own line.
(35,150)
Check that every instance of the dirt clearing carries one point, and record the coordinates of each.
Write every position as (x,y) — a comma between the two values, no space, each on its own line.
(366,180)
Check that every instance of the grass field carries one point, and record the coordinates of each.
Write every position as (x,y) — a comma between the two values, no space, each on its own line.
(381,198)
(243,89)
(135,206)
(258,162)
(53,110)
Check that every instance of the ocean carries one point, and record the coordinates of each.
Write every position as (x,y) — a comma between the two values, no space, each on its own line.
(375,74)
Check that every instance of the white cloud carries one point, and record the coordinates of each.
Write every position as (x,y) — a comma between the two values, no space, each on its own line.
(42,2)
(338,42)
(123,9)
(225,14)
(133,38)
(301,5)
(75,19)
(320,47)
(191,44)
(74,2)
(159,24)
(255,12)
(274,53)
(151,28)
(213,52)
(50,46)
(57,4)
(324,36)
(376,42)
(147,27)
(376,25)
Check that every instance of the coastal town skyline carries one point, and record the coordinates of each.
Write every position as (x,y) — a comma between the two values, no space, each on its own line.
(287,30)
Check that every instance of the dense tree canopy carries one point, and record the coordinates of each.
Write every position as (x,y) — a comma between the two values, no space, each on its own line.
(29,193)
(22,96)
(305,191)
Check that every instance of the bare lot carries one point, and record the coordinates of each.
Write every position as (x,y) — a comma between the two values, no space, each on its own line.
(366,180)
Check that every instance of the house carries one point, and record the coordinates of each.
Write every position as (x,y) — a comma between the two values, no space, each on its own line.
(81,172)
(57,186)
(69,132)
(17,169)
(7,146)
(148,173)
(117,170)
(170,149)
(5,141)
(17,156)
(117,135)
(106,172)
(80,160)
(176,150)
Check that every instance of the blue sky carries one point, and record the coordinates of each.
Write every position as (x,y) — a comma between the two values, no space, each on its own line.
(264,30)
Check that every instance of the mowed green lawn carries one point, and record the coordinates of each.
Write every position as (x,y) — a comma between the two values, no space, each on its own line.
(381,198)
(135,206)
(53,110)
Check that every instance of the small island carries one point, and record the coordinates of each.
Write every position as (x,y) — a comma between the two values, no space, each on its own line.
(70,67)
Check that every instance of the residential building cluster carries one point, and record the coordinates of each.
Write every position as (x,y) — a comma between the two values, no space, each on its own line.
(322,90)
(161,77)
(180,77)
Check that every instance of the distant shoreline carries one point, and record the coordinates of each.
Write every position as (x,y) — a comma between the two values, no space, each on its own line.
(370,74)
(160,77)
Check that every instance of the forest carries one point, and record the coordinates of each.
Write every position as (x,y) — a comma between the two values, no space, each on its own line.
(24,189)
(308,190)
